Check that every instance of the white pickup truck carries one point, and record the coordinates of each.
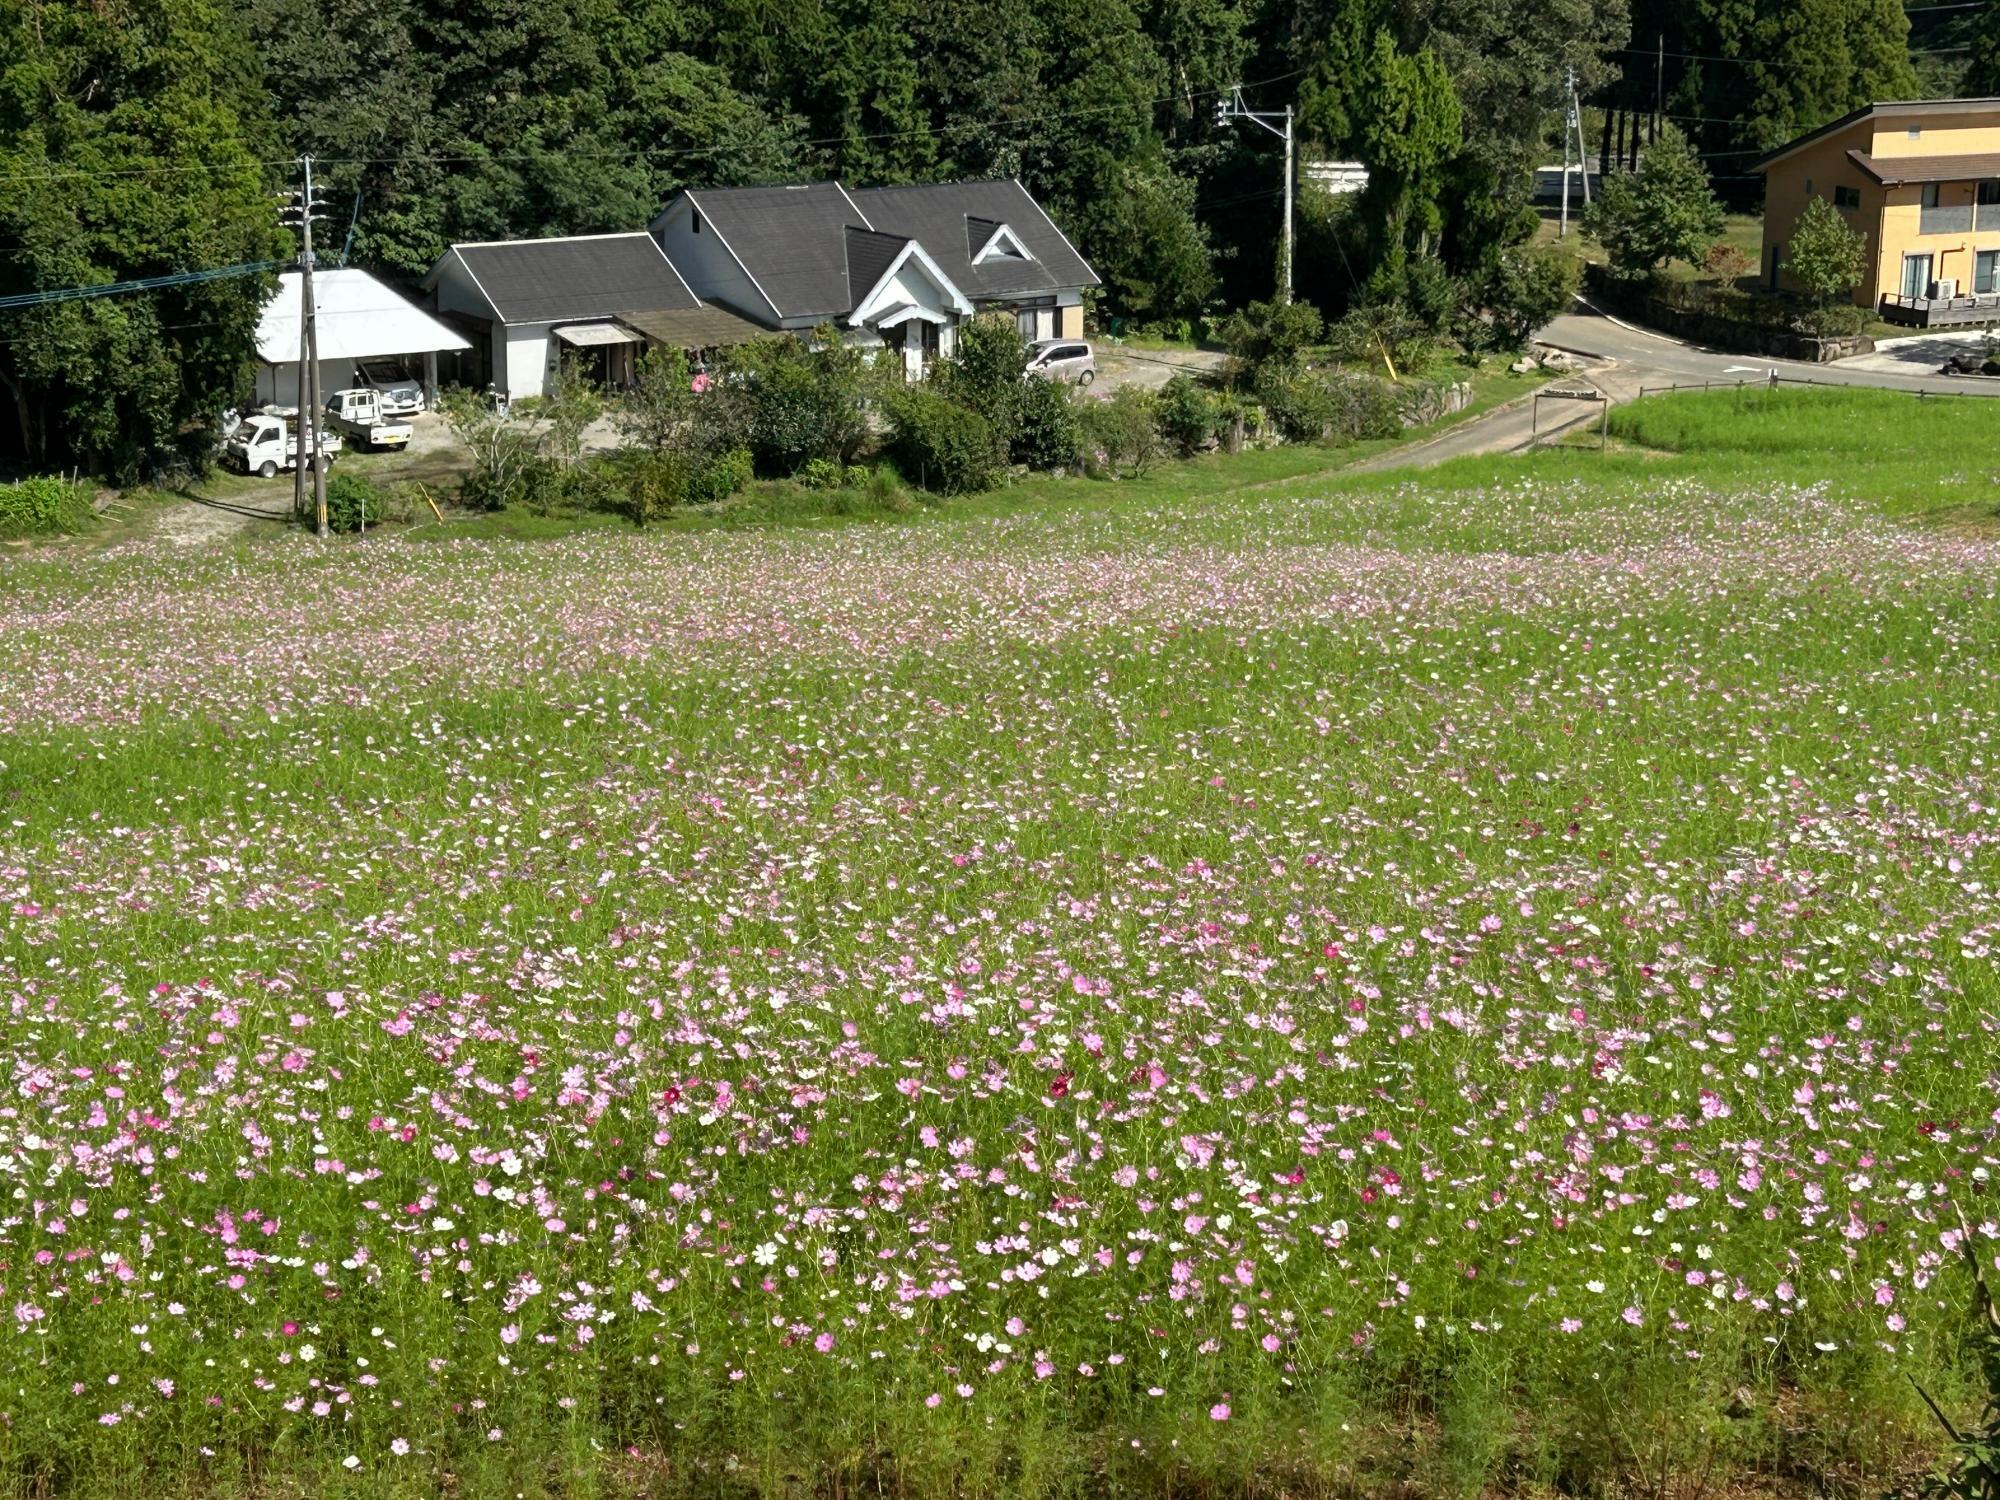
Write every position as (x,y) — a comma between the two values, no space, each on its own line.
(358,414)
(266,441)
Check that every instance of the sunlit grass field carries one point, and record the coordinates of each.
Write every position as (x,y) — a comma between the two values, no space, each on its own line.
(1471,981)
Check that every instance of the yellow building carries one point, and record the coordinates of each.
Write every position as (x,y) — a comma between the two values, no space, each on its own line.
(1920,182)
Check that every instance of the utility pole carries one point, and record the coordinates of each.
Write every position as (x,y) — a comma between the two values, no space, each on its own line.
(1562,225)
(307,428)
(1582,147)
(1573,126)
(1233,108)
(1659,88)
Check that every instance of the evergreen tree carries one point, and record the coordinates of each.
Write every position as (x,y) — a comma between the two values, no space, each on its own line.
(1665,211)
(132,143)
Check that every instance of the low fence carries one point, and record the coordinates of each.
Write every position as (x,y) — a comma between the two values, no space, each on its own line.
(1643,303)
(1767,382)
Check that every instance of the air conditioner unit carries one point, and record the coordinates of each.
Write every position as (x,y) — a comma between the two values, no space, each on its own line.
(1945,288)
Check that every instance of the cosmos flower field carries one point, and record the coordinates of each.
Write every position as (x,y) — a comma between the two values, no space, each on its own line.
(1406,985)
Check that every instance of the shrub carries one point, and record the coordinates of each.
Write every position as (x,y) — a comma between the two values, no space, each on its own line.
(1266,334)
(1125,429)
(1320,407)
(821,474)
(806,400)
(1368,334)
(947,447)
(1300,406)
(855,476)
(1047,434)
(1530,285)
(1727,263)
(43,506)
(985,370)
(351,500)
(506,458)
(717,478)
(1190,416)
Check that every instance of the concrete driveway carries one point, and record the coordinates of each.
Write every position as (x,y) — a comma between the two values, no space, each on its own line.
(1920,354)
(1148,369)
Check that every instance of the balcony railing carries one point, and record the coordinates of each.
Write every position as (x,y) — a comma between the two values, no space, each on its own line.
(1947,218)
(1940,312)
(1988,216)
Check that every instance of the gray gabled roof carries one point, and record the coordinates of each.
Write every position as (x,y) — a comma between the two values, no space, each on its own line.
(869,255)
(792,241)
(589,276)
(938,214)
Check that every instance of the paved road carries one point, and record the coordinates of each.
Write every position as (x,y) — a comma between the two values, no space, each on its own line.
(1641,357)
(1622,360)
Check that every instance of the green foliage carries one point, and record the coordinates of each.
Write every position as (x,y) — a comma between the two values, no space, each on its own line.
(1329,407)
(104,104)
(1412,127)
(505,457)
(351,499)
(805,400)
(1124,427)
(1047,433)
(1824,255)
(43,506)
(1190,415)
(822,474)
(1156,255)
(1664,211)
(1530,285)
(984,372)
(943,446)
(1381,330)
(1268,334)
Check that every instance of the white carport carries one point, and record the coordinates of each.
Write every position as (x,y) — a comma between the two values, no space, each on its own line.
(359,319)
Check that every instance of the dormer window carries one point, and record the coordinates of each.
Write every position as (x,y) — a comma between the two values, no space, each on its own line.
(1002,244)
(695,216)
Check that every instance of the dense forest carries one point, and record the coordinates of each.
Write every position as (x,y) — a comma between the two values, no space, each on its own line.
(145,137)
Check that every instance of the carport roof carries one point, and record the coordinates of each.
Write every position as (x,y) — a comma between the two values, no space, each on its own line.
(357,316)
(703,327)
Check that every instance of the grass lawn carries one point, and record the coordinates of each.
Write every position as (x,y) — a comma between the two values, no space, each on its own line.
(1470,981)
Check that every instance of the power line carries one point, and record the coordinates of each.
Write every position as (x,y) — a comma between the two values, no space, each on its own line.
(144,284)
(1758,61)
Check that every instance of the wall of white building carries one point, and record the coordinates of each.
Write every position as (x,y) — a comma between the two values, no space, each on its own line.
(706,265)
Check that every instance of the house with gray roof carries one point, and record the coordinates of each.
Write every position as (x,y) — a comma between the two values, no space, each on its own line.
(598,299)
(894,268)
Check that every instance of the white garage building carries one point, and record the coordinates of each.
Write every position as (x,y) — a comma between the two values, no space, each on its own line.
(360,321)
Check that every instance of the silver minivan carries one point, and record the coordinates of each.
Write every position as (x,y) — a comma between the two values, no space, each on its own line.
(1062,359)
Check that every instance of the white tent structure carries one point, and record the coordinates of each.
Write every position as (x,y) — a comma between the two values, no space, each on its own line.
(359,320)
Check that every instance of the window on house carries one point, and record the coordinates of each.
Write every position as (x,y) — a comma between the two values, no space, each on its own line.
(696,217)
(1847,197)
(1989,191)
(1986,272)
(1929,193)
(1916,132)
